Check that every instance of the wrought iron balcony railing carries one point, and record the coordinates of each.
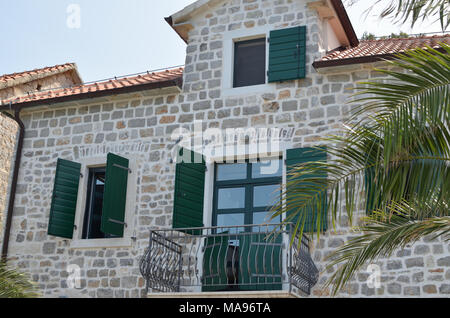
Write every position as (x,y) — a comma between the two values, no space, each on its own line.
(235,258)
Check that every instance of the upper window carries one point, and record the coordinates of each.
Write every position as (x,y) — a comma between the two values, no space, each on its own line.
(249,62)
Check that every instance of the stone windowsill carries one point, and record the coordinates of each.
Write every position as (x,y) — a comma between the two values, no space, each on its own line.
(102,243)
(248,90)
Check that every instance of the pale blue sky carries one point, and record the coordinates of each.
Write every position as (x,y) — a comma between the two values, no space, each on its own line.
(116,37)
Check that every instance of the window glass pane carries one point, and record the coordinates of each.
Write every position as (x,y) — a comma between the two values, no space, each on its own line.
(235,171)
(231,198)
(94,205)
(265,196)
(250,62)
(97,207)
(226,220)
(267,169)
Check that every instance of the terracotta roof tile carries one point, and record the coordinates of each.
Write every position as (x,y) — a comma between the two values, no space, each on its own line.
(103,86)
(381,48)
(11,78)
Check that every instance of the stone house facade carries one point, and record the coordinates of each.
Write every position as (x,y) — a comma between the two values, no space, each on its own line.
(131,124)
(19,85)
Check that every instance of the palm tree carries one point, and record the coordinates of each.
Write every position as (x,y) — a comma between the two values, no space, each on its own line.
(14,284)
(395,151)
(392,162)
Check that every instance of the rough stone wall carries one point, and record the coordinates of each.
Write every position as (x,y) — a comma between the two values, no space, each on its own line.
(8,129)
(8,132)
(421,269)
(142,127)
(314,107)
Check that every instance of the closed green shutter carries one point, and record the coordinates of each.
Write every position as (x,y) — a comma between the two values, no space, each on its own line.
(64,200)
(115,195)
(294,158)
(189,190)
(287,54)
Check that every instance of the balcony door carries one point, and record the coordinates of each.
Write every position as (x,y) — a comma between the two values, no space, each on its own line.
(240,256)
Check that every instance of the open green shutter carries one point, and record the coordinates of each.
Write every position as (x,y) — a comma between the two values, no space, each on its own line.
(189,190)
(287,54)
(294,158)
(115,195)
(64,199)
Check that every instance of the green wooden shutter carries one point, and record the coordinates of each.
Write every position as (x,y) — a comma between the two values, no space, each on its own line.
(294,158)
(115,195)
(189,190)
(64,199)
(287,54)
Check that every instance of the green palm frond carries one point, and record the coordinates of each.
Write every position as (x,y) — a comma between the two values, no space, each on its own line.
(395,148)
(415,98)
(344,180)
(383,235)
(14,284)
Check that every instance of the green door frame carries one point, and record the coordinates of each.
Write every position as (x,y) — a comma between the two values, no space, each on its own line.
(249,184)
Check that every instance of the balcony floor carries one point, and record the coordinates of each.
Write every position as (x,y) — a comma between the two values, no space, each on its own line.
(246,294)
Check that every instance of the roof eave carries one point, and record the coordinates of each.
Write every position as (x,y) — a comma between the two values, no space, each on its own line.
(76,75)
(362,59)
(180,18)
(177,82)
(353,60)
(169,20)
(345,22)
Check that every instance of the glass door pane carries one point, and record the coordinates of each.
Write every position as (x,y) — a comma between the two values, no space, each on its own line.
(236,171)
(267,169)
(231,198)
(230,220)
(264,218)
(266,196)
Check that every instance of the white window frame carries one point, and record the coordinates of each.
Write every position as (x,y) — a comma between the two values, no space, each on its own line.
(228,62)
(128,236)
